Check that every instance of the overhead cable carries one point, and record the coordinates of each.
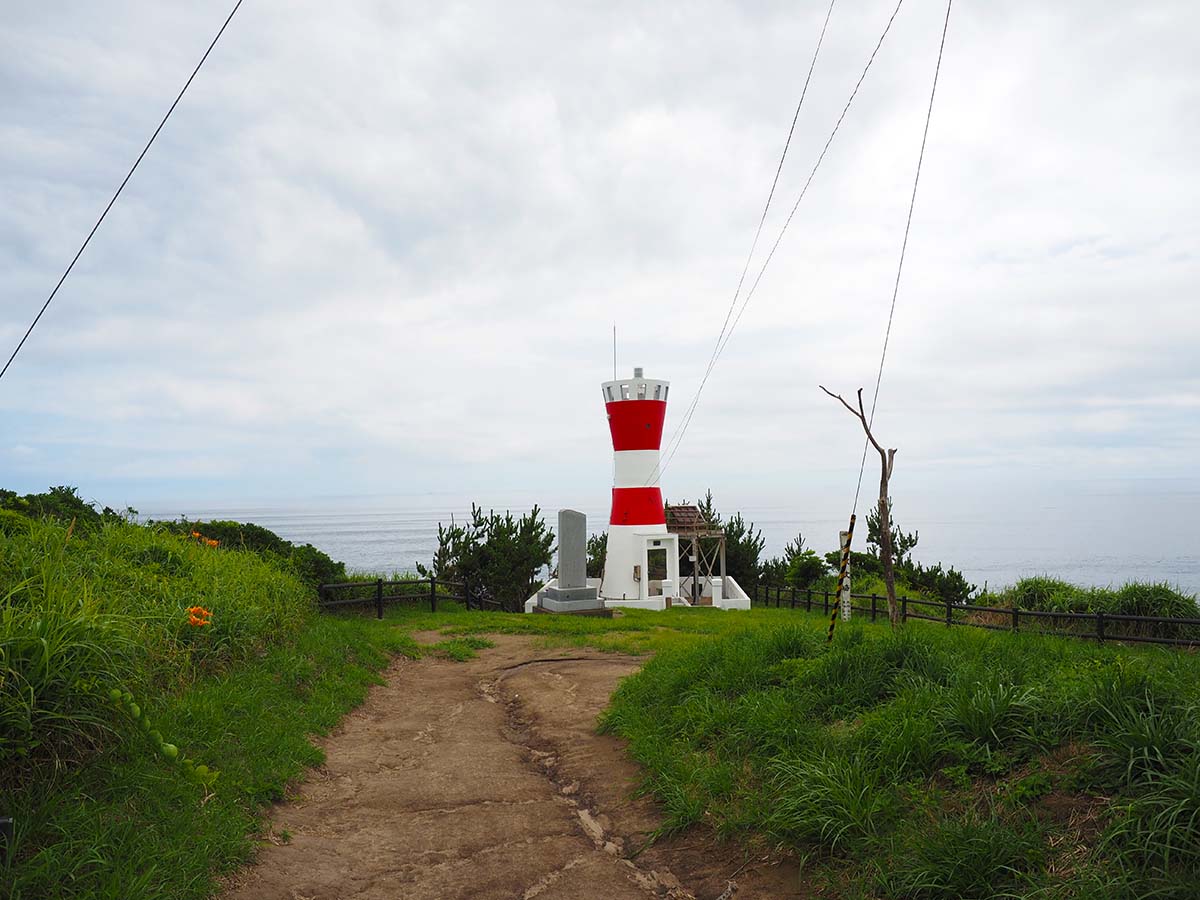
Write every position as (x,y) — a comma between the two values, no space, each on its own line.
(125,181)
(912,202)
(727,335)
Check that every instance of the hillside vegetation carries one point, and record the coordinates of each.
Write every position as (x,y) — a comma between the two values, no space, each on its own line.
(156,690)
(931,763)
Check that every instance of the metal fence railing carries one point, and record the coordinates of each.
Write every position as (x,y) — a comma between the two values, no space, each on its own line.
(1098,626)
(380,593)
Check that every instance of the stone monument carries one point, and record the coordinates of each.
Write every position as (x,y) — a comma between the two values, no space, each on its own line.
(570,591)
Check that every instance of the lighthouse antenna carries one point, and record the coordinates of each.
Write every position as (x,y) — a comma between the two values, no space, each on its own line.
(614,351)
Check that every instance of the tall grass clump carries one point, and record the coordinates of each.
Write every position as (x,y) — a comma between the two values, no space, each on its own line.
(136,666)
(86,611)
(1136,598)
(962,763)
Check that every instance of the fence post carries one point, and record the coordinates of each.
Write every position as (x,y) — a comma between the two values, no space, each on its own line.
(1016,616)
(379,598)
(949,619)
(433,593)
(873,599)
(904,609)
(793,596)
(808,599)
(825,601)
(467,593)
(777,596)
(1099,626)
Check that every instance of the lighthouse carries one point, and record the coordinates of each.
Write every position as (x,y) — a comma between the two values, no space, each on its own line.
(641,565)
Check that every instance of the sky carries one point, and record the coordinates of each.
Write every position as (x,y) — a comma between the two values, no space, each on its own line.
(380,248)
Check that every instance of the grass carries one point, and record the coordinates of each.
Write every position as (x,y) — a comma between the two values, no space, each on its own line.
(929,763)
(126,824)
(926,763)
(1052,595)
(100,810)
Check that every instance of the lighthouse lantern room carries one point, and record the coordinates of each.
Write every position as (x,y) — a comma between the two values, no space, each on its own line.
(641,565)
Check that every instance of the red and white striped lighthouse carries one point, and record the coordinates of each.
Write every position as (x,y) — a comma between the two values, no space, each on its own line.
(637,526)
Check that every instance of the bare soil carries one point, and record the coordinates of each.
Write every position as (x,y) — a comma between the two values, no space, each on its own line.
(487,779)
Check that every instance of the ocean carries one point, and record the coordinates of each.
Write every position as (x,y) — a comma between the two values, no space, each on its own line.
(1087,534)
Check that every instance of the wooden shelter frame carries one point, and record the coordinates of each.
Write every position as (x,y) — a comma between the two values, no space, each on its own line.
(701,540)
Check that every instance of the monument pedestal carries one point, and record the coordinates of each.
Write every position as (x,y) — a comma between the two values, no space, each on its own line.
(558,599)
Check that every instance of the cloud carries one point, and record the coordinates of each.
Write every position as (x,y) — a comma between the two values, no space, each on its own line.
(386,245)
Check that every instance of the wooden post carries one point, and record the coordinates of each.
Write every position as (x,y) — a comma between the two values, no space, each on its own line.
(793,596)
(949,612)
(808,600)
(379,598)
(1016,616)
(1100,626)
(433,593)
(873,611)
(904,609)
(825,599)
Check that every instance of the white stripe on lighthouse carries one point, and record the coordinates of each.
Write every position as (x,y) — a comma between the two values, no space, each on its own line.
(635,468)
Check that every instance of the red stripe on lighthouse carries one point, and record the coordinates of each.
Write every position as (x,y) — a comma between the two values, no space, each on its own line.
(637,506)
(636,424)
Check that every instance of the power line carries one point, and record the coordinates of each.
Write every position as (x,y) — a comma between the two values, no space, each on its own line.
(770,196)
(125,181)
(678,438)
(912,202)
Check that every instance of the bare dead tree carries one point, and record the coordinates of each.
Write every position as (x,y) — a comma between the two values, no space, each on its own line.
(887,459)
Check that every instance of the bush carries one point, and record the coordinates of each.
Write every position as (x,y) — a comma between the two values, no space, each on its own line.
(499,555)
(312,566)
(934,581)
(1045,594)
(597,552)
(62,503)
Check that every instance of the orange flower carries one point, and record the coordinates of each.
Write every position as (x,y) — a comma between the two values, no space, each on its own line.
(212,542)
(198,616)
(195,534)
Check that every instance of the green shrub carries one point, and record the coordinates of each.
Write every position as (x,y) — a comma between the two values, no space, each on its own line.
(1046,594)
(61,503)
(312,566)
(499,555)
(1139,598)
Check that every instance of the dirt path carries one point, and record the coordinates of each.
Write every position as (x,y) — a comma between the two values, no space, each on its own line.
(487,779)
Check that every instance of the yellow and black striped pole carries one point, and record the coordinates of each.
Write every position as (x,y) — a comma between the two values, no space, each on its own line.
(841,582)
